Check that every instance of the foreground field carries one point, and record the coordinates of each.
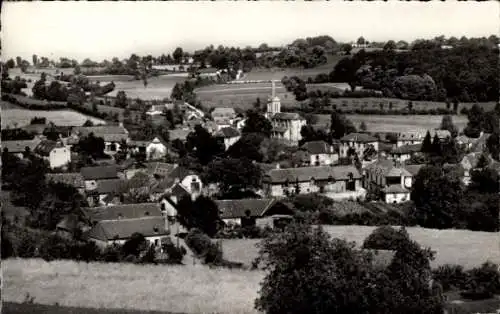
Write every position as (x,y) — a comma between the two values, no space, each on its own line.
(178,289)
(397,123)
(21,308)
(21,117)
(463,247)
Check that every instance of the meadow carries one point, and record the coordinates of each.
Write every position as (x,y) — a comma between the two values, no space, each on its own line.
(179,289)
(463,247)
(396,123)
(158,87)
(12,117)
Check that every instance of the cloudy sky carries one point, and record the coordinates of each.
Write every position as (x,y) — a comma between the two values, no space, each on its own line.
(101,30)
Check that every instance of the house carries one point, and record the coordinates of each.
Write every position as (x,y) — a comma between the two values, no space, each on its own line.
(470,162)
(18,148)
(465,142)
(239,123)
(413,169)
(179,175)
(393,181)
(260,212)
(223,113)
(112,135)
(107,192)
(228,136)
(178,134)
(441,134)
(156,110)
(56,153)
(405,152)
(320,153)
(410,138)
(160,169)
(169,201)
(108,232)
(358,142)
(223,123)
(156,149)
(125,211)
(337,182)
(92,175)
(286,125)
(74,179)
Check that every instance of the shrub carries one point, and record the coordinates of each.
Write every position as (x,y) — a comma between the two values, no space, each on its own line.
(451,277)
(203,247)
(239,232)
(483,282)
(174,254)
(385,238)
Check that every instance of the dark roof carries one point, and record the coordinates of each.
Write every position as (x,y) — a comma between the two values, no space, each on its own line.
(387,168)
(178,173)
(111,186)
(395,188)
(100,172)
(126,211)
(20,146)
(45,147)
(160,168)
(74,179)
(413,169)
(179,191)
(359,137)
(124,228)
(318,147)
(385,147)
(407,149)
(287,116)
(179,134)
(303,174)
(108,133)
(228,132)
(237,208)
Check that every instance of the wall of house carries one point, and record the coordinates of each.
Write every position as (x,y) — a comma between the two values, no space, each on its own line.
(108,148)
(167,209)
(232,221)
(280,190)
(407,142)
(324,159)
(188,180)
(230,141)
(408,182)
(397,197)
(155,151)
(358,147)
(295,128)
(59,156)
(401,157)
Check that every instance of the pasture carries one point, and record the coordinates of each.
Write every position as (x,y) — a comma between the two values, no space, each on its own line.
(242,95)
(396,123)
(463,247)
(158,87)
(21,117)
(179,289)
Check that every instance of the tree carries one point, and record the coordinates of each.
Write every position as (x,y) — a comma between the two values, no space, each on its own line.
(257,123)
(369,153)
(35,60)
(455,105)
(135,245)
(203,145)
(121,99)
(427,144)
(77,70)
(450,151)
(19,60)
(248,146)
(257,105)
(436,146)
(91,146)
(437,197)
(361,41)
(493,145)
(57,92)
(447,124)
(390,45)
(233,174)
(10,64)
(340,125)
(201,214)
(39,90)
(476,118)
(362,126)
(178,54)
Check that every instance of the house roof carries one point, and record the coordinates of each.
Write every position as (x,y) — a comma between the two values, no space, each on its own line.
(442,134)
(303,174)
(178,134)
(111,186)
(413,169)
(407,149)
(287,116)
(125,211)
(359,137)
(317,147)
(46,146)
(74,179)
(100,172)
(20,146)
(388,169)
(385,147)
(178,173)
(107,230)
(228,132)
(35,128)
(237,208)
(108,133)
(134,143)
(179,191)
(223,112)
(395,188)
(160,168)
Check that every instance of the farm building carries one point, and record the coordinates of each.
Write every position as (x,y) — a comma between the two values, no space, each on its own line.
(359,142)
(405,152)
(189,180)
(108,192)
(18,148)
(92,175)
(393,181)
(260,212)
(228,136)
(410,138)
(125,211)
(337,182)
(320,153)
(56,153)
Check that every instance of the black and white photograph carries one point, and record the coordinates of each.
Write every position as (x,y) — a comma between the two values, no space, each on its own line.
(250,157)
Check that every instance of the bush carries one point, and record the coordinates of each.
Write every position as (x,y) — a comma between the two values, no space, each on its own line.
(483,282)
(203,247)
(386,238)
(451,277)
(174,254)
(239,232)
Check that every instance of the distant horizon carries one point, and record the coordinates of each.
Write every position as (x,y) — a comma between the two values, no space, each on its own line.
(58,29)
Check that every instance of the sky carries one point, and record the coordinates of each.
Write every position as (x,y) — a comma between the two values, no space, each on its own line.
(102,30)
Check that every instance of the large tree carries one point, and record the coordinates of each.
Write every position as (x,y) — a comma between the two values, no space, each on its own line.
(257,123)
(234,175)
(202,214)
(178,54)
(203,145)
(447,124)
(340,125)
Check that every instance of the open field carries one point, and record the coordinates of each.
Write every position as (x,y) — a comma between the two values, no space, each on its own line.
(463,247)
(396,123)
(158,87)
(21,117)
(179,289)
(242,95)
(21,308)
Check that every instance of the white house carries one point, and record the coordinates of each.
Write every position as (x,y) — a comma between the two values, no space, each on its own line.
(320,153)
(189,180)
(337,182)
(410,138)
(358,142)
(393,181)
(228,135)
(56,153)
(156,110)
(156,149)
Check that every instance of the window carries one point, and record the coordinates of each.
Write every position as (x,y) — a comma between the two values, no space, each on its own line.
(146,213)
(155,229)
(156,242)
(351,183)
(112,147)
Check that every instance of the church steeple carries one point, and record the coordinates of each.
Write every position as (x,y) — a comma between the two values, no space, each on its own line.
(273,104)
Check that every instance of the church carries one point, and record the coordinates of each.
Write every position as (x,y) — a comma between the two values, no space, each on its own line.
(286,125)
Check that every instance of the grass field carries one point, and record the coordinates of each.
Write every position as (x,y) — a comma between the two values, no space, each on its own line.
(21,117)
(158,87)
(463,247)
(22,308)
(396,123)
(242,95)
(178,289)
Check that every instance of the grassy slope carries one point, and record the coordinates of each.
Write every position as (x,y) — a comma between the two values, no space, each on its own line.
(467,248)
(188,289)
